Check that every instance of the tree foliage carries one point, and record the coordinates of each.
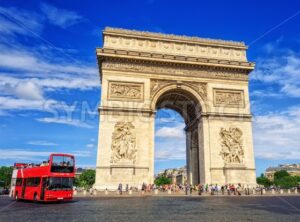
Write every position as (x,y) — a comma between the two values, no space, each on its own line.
(5,175)
(262,180)
(162,180)
(86,179)
(281,174)
(284,180)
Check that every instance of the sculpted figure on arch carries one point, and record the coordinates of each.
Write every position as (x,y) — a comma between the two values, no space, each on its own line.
(123,143)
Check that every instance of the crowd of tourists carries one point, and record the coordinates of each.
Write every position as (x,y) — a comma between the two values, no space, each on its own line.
(199,189)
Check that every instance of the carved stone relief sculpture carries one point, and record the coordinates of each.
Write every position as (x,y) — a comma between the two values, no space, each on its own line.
(123,148)
(232,145)
(157,84)
(124,90)
(229,98)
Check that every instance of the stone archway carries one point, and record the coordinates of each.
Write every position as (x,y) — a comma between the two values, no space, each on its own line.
(206,81)
(187,102)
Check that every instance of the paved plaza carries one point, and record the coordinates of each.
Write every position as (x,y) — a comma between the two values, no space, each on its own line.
(150,208)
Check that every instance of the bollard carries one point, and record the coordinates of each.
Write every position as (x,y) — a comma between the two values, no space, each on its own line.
(156,191)
(263,191)
(289,191)
(296,190)
(281,191)
(106,192)
(273,191)
(84,192)
(169,192)
(130,192)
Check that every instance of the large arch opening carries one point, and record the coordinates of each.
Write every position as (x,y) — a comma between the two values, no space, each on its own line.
(180,110)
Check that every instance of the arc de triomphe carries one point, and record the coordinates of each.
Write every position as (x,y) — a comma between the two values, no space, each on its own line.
(205,80)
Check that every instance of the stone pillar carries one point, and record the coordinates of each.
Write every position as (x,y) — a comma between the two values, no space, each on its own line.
(188,156)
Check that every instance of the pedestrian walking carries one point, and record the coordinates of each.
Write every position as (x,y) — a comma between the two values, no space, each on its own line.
(120,188)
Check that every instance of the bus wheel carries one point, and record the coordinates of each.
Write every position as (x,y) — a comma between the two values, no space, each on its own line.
(35,197)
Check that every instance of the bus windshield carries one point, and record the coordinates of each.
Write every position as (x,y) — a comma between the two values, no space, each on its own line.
(60,183)
(62,164)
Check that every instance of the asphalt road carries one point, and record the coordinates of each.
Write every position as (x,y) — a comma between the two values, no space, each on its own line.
(231,208)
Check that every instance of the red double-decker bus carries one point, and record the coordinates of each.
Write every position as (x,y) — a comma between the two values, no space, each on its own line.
(51,180)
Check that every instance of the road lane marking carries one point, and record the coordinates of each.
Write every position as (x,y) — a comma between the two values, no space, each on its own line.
(285,201)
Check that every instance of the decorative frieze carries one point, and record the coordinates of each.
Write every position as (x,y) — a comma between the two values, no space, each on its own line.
(167,69)
(200,87)
(123,147)
(125,91)
(157,84)
(176,45)
(232,150)
(229,98)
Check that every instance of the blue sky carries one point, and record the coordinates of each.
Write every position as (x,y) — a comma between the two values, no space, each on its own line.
(50,88)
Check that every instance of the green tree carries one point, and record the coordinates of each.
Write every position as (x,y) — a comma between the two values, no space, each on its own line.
(5,175)
(287,182)
(162,180)
(86,179)
(283,179)
(280,174)
(262,180)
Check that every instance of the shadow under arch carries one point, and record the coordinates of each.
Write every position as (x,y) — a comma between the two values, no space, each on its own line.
(184,90)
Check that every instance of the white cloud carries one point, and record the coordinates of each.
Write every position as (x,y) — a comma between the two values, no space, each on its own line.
(281,70)
(90,145)
(16,21)
(170,149)
(29,90)
(13,104)
(60,17)
(170,142)
(41,143)
(65,121)
(29,74)
(266,93)
(35,61)
(171,132)
(276,135)
(29,155)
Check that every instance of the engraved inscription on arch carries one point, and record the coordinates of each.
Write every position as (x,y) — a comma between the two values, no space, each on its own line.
(125,91)
(229,98)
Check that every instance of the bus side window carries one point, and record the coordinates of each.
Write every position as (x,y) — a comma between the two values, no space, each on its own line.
(19,182)
(37,181)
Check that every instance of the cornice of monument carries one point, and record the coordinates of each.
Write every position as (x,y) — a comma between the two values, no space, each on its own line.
(104,54)
(172,37)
